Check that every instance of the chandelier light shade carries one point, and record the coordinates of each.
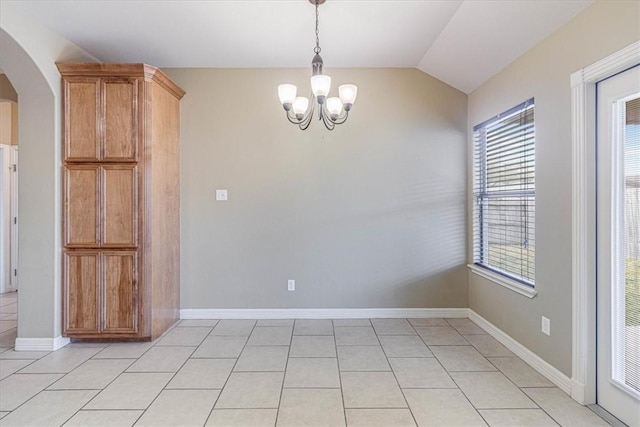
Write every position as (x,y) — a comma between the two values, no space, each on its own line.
(331,111)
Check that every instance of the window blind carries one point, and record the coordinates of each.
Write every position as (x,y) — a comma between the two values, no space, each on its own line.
(631,236)
(504,193)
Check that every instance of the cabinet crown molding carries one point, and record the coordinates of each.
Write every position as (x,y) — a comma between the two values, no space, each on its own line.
(140,70)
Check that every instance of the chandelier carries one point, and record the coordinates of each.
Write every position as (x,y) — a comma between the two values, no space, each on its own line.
(331,111)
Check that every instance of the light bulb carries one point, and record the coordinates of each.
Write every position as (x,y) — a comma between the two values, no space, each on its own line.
(348,94)
(320,85)
(287,94)
(300,105)
(334,105)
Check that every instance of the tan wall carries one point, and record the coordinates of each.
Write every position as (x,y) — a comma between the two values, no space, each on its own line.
(8,123)
(369,215)
(14,124)
(5,122)
(7,92)
(543,73)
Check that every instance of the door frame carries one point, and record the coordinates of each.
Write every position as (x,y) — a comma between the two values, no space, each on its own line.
(583,248)
(5,218)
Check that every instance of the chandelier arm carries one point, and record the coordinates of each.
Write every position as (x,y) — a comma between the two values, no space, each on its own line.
(304,124)
(341,120)
(328,123)
(305,118)
(327,117)
(323,113)
(292,119)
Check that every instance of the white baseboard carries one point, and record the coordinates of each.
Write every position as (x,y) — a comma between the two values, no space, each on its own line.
(41,344)
(323,313)
(578,392)
(544,368)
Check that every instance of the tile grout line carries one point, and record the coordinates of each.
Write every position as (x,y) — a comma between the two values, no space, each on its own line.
(454,381)
(540,407)
(434,356)
(462,391)
(335,345)
(64,375)
(45,373)
(123,372)
(500,372)
(31,361)
(35,395)
(144,411)
(512,382)
(232,368)
(152,346)
(284,376)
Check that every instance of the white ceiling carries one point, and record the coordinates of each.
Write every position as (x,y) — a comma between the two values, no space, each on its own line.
(461,42)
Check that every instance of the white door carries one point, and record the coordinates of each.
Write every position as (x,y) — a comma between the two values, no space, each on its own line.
(14,218)
(5,218)
(618,234)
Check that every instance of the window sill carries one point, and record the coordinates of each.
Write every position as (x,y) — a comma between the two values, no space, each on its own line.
(513,285)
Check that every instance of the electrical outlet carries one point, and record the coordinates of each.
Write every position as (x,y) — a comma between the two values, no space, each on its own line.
(221,195)
(291,285)
(546,326)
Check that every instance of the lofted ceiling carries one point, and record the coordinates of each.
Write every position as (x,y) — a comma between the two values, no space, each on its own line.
(461,42)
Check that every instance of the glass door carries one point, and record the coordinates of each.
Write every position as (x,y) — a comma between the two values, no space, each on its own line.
(618,234)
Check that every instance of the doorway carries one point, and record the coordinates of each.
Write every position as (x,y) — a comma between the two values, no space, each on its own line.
(8,213)
(8,218)
(618,246)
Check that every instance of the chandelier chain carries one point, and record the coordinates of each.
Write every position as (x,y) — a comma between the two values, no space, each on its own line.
(317,49)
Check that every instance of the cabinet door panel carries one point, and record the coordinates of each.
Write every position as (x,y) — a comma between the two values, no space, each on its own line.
(120,119)
(120,292)
(81,314)
(119,206)
(81,205)
(82,100)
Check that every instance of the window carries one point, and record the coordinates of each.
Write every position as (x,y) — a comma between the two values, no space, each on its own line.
(504,193)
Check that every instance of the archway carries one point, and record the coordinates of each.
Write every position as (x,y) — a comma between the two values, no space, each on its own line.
(29,53)
(37,197)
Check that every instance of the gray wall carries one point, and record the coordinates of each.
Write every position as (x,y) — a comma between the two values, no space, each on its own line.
(369,215)
(543,73)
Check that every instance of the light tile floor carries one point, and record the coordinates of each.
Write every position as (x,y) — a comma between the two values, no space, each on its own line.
(8,319)
(355,372)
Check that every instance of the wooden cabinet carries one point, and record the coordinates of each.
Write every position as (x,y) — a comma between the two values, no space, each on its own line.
(121,208)
(82,128)
(119,200)
(101,119)
(81,292)
(120,293)
(101,206)
(120,101)
(101,292)
(81,206)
